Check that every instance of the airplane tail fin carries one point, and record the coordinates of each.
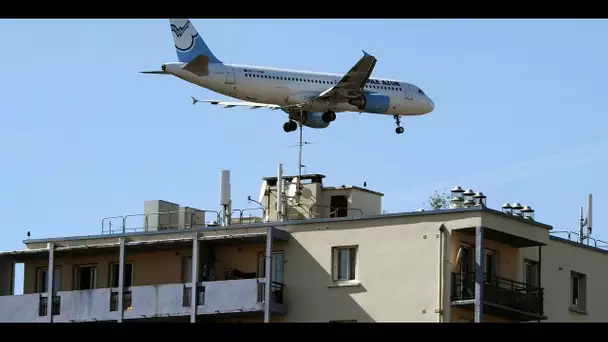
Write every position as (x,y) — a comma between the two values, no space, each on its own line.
(188,43)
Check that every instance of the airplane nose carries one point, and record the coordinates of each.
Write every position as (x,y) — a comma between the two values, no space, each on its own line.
(431,105)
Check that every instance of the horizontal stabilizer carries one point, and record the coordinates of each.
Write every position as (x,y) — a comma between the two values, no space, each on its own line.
(154,72)
(199,65)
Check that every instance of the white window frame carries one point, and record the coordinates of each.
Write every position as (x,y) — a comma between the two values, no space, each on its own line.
(277,265)
(492,266)
(78,269)
(580,303)
(335,260)
(42,278)
(534,282)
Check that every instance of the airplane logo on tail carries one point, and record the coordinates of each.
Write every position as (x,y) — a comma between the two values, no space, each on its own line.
(184,36)
(179,31)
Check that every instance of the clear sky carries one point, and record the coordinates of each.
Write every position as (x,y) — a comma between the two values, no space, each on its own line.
(520,115)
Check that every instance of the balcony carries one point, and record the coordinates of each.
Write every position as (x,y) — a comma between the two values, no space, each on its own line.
(502,297)
(244,296)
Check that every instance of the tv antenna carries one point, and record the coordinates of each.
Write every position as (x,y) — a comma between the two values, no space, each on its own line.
(300,146)
(586,221)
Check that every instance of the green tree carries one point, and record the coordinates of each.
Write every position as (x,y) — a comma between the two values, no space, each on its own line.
(439,201)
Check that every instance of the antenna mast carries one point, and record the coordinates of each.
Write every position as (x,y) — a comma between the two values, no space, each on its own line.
(586,222)
(300,145)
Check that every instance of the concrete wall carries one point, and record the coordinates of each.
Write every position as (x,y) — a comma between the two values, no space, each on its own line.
(146,265)
(7,270)
(234,296)
(558,260)
(146,268)
(460,315)
(397,270)
(311,195)
(509,265)
(22,308)
(361,202)
(242,257)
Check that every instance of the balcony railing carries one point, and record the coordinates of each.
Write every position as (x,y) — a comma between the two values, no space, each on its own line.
(213,298)
(505,292)
(276,292)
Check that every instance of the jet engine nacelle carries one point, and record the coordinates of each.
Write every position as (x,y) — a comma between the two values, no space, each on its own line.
(314,120)
(372,103)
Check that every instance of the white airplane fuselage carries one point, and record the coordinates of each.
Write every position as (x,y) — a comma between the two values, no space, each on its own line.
(291,87)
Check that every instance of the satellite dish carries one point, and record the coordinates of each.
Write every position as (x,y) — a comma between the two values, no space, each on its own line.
(293,187)
(262,191)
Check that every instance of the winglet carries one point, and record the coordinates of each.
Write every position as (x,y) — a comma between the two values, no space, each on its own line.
(365,53)
(194,100)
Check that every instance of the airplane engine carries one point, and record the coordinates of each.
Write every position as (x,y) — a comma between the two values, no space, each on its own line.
(372,103)
(313,120)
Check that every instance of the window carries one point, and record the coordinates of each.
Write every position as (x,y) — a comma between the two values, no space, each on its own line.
(187,270)
(420,91)
(85,278)
(489,265)
(114,272)
(530,277)
(578,290)
(344,262)
(42,279)
(277,266)
(466,261)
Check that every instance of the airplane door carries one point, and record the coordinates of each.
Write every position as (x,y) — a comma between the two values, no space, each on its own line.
(408,93)
(229,75)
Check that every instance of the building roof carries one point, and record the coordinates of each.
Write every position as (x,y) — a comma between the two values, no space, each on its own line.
(296,223)
(354,187)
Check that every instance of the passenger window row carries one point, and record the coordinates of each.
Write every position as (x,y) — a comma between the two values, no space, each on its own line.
(296,79)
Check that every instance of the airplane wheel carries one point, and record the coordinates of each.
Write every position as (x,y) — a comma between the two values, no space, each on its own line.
(399,130)
(290,126)
(286,127)
(293,125)
(329,116)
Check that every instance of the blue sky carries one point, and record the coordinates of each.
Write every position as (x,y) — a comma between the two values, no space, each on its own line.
(519,115)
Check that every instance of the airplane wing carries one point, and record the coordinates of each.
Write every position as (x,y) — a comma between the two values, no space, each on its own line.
(251,105)
(229,104)
(351,84)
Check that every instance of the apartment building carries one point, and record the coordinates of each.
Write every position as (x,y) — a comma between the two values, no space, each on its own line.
(318,254)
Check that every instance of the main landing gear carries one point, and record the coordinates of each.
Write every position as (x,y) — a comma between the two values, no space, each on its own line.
(399,129)
(290,126)
(329,116)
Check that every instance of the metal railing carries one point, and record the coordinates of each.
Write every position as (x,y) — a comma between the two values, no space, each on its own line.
(276,292)
(332,213)
(247,219)
(120,224)
(502,291)
(587,240)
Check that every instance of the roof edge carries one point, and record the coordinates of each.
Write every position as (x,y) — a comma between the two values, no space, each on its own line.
(298,222)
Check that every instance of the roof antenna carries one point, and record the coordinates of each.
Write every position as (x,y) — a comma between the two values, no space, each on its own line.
(586,221)
(300,145)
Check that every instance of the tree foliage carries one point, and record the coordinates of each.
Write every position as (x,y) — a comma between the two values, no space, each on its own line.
(439,200)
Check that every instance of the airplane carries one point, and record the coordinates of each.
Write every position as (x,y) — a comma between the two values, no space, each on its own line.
(308,98)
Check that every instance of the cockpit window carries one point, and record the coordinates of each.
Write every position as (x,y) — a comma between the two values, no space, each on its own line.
(420,91)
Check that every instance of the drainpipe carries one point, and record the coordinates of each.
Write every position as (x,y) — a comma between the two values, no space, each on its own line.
(441,277)
(479,275)
(268,280)
(50,288)
(121,280)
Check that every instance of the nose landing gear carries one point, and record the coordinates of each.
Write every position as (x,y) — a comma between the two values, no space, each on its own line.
(399,129)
